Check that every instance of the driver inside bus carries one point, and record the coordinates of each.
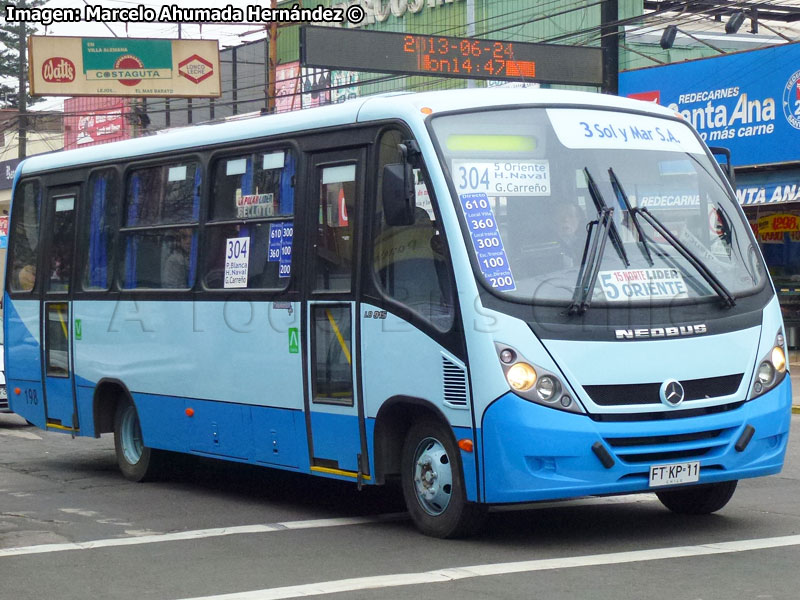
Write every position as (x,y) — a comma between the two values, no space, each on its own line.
(568,223)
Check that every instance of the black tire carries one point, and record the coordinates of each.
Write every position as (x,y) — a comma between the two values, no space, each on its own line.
(437,505)
(136,461)
(698,499)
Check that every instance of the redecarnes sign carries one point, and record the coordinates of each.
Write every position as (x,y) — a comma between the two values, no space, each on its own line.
(73,66)
(748,102)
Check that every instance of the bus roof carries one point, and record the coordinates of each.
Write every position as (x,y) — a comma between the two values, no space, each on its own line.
(401,105)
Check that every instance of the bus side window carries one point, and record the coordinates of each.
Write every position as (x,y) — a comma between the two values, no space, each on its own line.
(250,229)
(155,256)
(25,237)
(103,191)
(411,263)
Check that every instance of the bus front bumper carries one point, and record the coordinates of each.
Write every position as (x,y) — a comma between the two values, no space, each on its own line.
(531,452)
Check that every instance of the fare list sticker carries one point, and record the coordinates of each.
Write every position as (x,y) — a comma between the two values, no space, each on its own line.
(486,240)
(281,236)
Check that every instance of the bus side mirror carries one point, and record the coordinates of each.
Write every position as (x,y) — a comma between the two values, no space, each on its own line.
(727,166)
(399,195)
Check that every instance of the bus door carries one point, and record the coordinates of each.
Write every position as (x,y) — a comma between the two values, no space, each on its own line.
(334,408)
(57,332)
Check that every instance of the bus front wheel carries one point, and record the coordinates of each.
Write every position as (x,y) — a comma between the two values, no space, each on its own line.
(433,485)
(136,461)
(698,499)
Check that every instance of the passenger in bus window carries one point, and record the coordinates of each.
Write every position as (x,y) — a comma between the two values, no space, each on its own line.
(175,271)
(26,277)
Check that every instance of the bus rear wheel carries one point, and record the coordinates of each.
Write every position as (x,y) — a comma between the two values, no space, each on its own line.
(136,461)
(433,484)
(698,499)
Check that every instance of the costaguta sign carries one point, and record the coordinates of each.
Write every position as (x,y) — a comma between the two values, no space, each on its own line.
(72,66)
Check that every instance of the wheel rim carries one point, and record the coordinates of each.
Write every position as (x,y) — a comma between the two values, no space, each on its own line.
(433,476)
(131,436)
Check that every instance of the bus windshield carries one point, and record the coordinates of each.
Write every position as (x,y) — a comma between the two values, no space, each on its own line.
(532,183)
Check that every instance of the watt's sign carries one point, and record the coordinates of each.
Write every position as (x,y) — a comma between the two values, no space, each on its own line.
(73,66)
(748,102)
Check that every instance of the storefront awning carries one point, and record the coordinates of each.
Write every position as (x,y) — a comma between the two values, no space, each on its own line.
(779,187)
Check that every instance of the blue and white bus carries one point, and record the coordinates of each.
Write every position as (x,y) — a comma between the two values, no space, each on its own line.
(496,296)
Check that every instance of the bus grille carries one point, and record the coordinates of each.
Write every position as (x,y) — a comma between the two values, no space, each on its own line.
(647,393)
(455,384)
(671,448)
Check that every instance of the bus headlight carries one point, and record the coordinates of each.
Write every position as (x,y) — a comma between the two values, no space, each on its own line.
(521,377)
(771,370)
(534,383)
(778,359)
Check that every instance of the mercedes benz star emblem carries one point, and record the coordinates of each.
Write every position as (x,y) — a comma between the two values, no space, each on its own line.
(671,392)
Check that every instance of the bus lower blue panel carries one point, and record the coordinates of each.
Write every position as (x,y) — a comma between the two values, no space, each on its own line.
(29,403)
(336,438)
(164,421)
(532,452)
(277,435)
(223,429)
(85,396)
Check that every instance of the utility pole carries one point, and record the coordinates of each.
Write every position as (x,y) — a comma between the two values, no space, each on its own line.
(609,43)
(22,101)
(273,61)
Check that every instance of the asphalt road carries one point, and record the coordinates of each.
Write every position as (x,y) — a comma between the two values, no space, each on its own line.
(72,527)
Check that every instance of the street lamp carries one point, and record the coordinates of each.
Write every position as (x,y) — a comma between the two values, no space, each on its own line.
(735,22)
(668,38)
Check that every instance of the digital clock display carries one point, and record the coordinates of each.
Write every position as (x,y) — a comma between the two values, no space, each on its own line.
(468,58)
(442,56)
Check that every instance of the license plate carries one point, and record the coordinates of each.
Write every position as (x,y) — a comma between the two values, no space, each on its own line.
(675,473)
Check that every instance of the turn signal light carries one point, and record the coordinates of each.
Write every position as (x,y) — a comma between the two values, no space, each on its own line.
(466,445)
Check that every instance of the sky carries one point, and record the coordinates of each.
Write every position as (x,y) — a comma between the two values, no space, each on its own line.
(228,34)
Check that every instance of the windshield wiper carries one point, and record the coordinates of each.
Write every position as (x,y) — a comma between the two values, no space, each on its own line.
(599,232)
(600,205)
(623,197)
(729,300)
(593,250)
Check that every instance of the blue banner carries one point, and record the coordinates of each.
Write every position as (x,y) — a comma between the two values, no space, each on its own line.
(748,102)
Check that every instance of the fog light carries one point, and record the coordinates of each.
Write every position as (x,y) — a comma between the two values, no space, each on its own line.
(546,387)
(521,377)
(566,401)
(765,373)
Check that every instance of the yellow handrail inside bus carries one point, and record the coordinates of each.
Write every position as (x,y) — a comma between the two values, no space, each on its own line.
(339,337)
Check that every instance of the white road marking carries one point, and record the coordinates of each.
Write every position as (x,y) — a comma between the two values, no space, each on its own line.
(487,570)
(25,435)
(199,534)
(149,537)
